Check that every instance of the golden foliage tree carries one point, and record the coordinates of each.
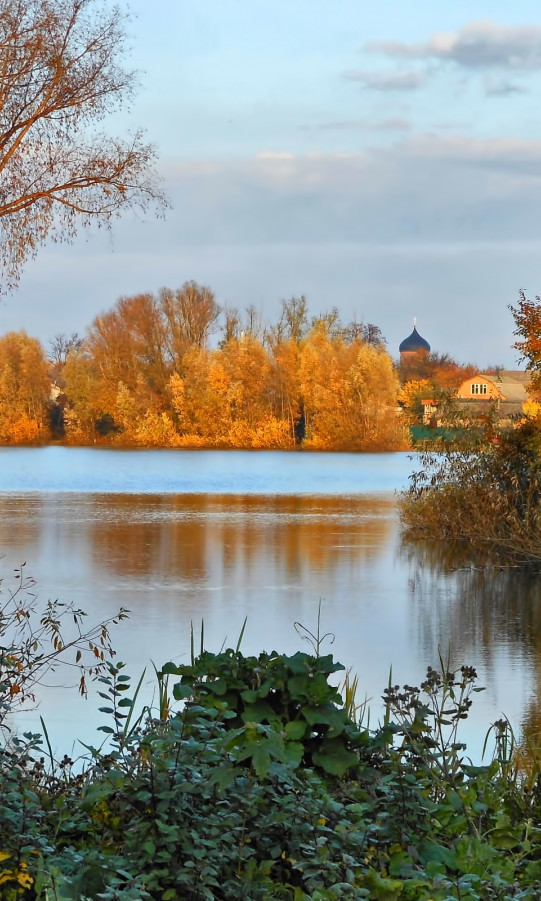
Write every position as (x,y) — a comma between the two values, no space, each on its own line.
(224,397)
(349,392)
(60,77)
(190,314)
(128,344)
(84,390)
(411,396)
(24,389)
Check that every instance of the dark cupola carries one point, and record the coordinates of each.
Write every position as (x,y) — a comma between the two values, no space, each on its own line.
(414,343)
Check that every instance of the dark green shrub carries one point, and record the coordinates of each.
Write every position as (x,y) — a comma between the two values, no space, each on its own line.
(275,707)
(206,803)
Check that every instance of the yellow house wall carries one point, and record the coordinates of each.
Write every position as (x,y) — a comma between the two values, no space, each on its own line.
(465,389)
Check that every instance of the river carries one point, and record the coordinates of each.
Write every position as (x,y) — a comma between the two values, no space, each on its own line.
(182,537)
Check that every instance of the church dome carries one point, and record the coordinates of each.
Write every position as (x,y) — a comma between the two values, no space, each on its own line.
(413,343)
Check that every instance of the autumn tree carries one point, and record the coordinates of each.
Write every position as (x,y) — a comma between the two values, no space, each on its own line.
(331,322)
(439,369)
(61,345)
(133,350)
(285,385)
(349,393)
(128,346)
(191,315)
(410,398)
(293,321)
(364,331)
(527,316)
(284,342)
(232,325)
(24,389)
(247,367)
(61,76)
(224,397)
(84,391)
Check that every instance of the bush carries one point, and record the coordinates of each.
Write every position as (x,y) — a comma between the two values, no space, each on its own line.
(209,803)
(35,641)
(483,490)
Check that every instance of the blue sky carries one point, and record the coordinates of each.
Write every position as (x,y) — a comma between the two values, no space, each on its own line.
(383,158)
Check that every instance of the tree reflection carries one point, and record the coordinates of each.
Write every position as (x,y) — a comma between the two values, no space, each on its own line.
(19,521)
(477,612)
(188,537)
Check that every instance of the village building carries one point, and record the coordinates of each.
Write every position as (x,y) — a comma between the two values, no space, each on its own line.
(412,345)
(506,391)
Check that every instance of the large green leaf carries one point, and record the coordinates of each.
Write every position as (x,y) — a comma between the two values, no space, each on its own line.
(295,729)
(334,758)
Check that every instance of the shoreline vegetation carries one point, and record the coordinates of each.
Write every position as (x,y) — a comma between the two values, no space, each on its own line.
(482,489)
(145,376)
(256,777)
(176,370)
(482,493)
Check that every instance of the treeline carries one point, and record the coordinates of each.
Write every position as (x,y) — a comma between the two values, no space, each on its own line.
(147,375)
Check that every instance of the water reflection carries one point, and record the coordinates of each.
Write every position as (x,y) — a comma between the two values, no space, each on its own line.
(491,615)
(173,559)
(19,522)
(474,608)
(191,537)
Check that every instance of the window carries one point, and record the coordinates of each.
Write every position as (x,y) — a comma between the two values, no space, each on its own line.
(479,388)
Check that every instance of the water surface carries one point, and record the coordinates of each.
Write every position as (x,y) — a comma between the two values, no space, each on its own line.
(82,470)
(180,537)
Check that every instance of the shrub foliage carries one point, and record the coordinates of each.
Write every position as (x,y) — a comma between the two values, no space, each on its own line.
(260,786)
(483,489)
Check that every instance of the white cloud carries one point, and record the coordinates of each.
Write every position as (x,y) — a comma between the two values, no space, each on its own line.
(476,45)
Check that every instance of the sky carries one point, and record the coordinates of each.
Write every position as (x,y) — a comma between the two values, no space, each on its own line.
(381,158)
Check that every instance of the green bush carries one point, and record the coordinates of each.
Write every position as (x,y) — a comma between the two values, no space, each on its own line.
(234,796)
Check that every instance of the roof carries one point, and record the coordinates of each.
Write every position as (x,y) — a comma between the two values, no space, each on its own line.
(511,385)
(414,343)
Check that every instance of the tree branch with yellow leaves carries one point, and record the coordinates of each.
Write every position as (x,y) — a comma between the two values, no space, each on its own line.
(61,77)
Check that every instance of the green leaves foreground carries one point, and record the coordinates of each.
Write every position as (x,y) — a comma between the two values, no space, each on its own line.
(262,787)
(275,708)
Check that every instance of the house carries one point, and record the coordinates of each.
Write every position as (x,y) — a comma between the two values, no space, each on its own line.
(506,390)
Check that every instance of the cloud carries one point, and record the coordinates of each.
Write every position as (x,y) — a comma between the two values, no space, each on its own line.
(423,188)
(382,81)
(521,157)
(359,125)
(476,45)
(445,228)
